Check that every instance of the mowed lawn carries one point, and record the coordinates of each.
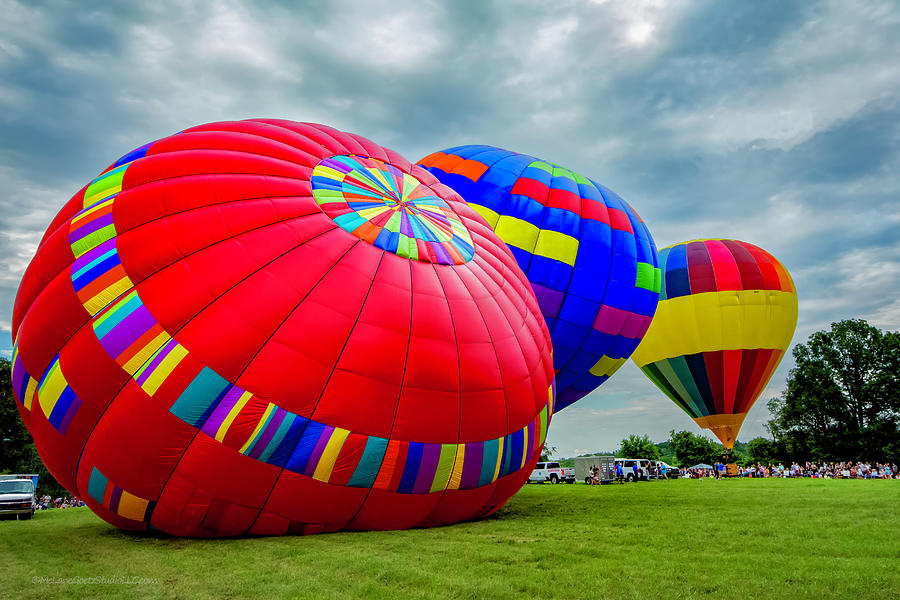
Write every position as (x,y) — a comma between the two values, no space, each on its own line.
(758,539)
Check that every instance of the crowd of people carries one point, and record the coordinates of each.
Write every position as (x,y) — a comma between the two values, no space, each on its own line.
(45,502)
(839,470)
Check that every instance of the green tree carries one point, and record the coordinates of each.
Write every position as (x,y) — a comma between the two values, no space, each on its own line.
(666,453)
(639,447)
(842,400)
(761,450)
(17,451)
(547,452)
(693,449)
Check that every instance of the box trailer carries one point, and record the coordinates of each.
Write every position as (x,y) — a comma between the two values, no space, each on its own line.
(606,464)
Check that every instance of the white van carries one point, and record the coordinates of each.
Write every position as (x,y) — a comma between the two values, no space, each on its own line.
(643,468)
(17,496)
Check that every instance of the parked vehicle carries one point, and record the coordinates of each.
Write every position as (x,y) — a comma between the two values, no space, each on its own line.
(17,496)
(671,472)
(552,472)
(583,465)
(643,468)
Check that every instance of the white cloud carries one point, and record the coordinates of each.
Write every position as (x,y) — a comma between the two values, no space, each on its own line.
(404,37)
(823,72)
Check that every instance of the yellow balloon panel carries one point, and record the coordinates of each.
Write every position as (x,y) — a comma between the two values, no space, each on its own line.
(713,321)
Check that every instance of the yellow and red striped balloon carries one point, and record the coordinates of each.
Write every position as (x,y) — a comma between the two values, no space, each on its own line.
(727,312)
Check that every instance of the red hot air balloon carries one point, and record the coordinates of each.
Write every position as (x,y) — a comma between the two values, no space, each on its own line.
(273,327)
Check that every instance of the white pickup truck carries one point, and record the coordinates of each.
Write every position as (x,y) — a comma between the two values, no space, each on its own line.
(552,472)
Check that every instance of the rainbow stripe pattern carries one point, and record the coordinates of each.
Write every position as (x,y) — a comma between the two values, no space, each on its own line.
(117,500)
(390,209)
(123,325)
(97,273)
(57,400)
(24,385)
(129,333)
(588,256)
(271,434)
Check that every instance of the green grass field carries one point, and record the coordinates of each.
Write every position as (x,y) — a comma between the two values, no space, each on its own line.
(756,539)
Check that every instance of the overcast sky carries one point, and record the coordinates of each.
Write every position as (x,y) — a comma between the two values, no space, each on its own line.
(777,123)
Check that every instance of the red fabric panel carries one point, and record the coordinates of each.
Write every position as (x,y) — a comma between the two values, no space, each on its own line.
(560,198)
(751,277)
(198,162)
(158,243)
(728,276)
(595,211)
(215,468)
(326,139)
(270,524)
(250,322)
(371,367)
(731,370)
(200,279)
(460,505)
(315,151)
(53,260)
(753,384)
(370,148)
(241,142)
(136,443)
(181,508)
(327,315)
(532,188)
(429,403)
(373,402)
(745,380)
(300,498)
(387,510)
(715,372)
(774,359)
(766,266)
(169,198)
(701,275)
(618,219)
(69,210)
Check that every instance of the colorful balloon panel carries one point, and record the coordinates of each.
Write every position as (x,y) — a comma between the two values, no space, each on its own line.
(727,313)
(273,327)
(590,259)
